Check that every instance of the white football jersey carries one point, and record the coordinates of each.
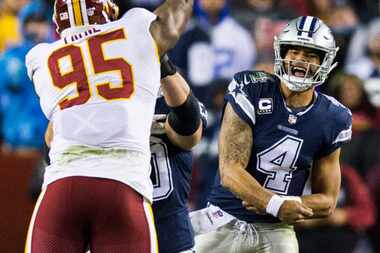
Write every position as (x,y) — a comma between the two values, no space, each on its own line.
(98,86)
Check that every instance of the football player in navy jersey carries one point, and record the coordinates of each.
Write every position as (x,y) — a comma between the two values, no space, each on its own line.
(278,136)
(177,128)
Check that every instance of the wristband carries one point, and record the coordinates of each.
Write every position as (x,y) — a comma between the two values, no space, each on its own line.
(274,205)
(167,67)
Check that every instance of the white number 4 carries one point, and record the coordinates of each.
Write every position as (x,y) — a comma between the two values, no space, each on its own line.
(278,163)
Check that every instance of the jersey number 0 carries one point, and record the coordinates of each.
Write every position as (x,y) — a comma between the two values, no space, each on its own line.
(161,171)
(77,73)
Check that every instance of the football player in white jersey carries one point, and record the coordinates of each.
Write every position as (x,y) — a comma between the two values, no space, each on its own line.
(97,86)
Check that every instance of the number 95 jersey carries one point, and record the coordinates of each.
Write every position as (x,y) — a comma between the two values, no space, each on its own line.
(285,142)
(98,86)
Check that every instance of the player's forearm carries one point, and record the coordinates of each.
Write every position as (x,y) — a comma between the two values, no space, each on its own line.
(325,185)
(244,186)
(235,145)
(175,90)
(321,204)
(183,126)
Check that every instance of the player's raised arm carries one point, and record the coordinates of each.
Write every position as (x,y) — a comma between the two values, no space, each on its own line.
(184,122)
(172,17)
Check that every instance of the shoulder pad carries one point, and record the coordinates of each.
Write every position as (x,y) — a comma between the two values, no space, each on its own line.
(31,59)
(254,77)
(337,105)
(140,13)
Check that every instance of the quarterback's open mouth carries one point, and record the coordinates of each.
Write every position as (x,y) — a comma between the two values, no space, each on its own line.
(298,71)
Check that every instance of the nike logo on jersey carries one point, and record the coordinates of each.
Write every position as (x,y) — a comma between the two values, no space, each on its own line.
(246,81)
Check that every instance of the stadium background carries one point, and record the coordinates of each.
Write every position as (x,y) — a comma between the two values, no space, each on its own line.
(224,37)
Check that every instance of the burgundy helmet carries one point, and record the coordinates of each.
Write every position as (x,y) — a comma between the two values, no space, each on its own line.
(72,13)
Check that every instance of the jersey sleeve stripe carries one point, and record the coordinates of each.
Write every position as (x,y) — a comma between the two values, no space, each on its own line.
(70,11)
(343,136)
(84,12)
(77,13)
(246,106)
(240,98)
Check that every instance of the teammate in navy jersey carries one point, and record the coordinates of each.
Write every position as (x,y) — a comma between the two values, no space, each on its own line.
(277,135)
(178,126)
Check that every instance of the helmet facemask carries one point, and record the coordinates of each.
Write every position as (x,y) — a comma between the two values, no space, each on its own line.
(313,74)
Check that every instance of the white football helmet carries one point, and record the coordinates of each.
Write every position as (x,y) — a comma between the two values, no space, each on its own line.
(310,32)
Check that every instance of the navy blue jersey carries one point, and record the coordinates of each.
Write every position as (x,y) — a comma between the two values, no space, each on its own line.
(171,174)
(285,142)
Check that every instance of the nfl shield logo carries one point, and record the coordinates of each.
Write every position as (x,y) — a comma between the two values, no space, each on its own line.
(292,119)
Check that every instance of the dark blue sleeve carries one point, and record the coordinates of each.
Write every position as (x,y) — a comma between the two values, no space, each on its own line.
(241,96)
(340,131)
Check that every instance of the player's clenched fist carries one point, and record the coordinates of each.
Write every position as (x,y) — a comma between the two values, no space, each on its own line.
(292,211)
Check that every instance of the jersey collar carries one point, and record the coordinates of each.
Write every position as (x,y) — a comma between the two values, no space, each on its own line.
(74,30)
(305,110)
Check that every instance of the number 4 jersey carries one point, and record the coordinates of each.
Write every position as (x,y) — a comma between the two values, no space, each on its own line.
(285,142)
(98,86)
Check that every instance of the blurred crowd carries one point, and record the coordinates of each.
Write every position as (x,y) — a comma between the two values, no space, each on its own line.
(225,37)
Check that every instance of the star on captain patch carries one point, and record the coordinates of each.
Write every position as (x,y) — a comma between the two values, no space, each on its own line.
(292,119)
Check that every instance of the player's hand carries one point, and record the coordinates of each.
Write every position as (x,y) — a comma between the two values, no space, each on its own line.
(293,211)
